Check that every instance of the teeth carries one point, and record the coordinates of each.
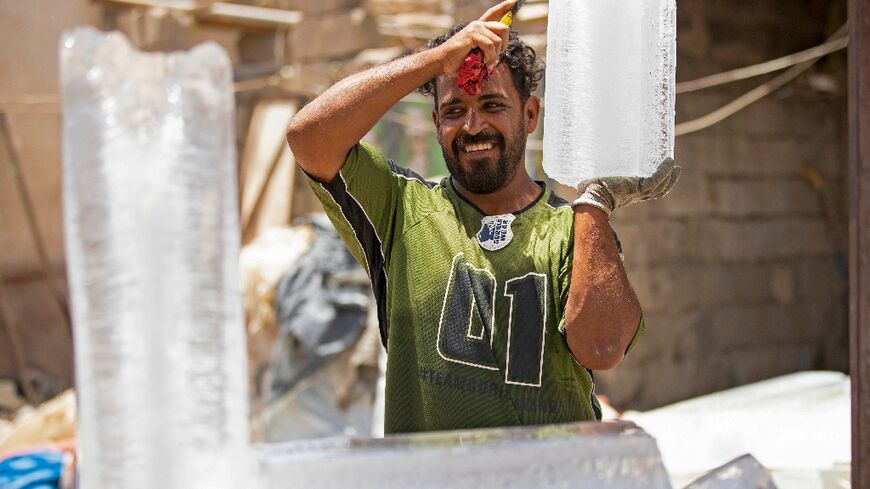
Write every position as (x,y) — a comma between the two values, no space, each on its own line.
(478,147)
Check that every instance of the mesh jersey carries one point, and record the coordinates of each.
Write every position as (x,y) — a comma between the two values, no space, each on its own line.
(474,337)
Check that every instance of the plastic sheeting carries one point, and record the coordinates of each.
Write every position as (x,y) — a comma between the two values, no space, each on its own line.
(322,376)
(321,303)
(798,426)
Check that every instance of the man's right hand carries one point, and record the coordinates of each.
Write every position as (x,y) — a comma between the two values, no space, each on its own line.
(486,33)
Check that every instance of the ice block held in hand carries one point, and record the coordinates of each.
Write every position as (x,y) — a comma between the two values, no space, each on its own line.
(152,241)
(609,100)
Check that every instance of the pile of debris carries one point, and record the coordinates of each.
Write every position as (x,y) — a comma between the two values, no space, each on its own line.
(37,443)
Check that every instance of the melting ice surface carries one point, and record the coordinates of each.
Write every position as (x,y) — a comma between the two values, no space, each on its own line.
(570,456)
(609,100)
(152,238)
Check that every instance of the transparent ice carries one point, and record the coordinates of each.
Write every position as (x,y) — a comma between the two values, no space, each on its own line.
(577,456)
(152,240)
(609,99)
(741,473)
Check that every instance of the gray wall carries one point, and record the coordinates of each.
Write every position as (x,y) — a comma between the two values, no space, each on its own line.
(736,270)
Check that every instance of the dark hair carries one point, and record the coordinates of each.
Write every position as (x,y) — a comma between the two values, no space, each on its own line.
(527,69)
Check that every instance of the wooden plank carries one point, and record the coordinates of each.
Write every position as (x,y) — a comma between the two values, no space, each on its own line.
(265,139)
(248,16)
(320,7)
(276,203)
(230,14)
(266,171)
(272,201)
(183,5)
(11,329)
(859,237)
(29,208)
(18,274)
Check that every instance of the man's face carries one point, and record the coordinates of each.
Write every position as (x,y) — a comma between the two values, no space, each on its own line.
(483,137)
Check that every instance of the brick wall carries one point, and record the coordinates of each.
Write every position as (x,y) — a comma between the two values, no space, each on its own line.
(737,269)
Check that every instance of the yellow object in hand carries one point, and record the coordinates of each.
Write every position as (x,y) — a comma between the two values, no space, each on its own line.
(509,17)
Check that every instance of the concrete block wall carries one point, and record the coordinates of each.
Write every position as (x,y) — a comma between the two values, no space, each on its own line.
(737,269)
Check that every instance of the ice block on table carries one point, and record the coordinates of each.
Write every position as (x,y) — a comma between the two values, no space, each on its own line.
(743,472)
(616,455)
(609,98)
(152,241)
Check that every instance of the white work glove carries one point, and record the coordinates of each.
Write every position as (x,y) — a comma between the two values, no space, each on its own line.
(610,193)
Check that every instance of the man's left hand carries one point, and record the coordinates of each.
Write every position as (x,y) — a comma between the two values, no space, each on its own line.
(611,193)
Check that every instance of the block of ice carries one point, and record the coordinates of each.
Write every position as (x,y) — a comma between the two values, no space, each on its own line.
(609,99)
(741,473)
(152,238)
(578,456)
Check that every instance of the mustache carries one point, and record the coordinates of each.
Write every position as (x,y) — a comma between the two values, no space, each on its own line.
(465,139)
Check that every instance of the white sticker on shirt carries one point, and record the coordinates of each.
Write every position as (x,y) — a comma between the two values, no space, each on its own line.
(495,232)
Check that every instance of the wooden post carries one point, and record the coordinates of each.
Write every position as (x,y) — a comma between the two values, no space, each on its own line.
(30,214)
(11,329)
(859,237)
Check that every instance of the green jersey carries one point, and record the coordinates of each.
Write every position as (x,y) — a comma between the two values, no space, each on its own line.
(471,307)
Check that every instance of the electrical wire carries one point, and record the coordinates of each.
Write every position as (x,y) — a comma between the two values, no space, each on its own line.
(797,62)
(751,96)
(763,68)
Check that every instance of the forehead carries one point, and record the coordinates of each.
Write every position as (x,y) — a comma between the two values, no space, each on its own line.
(500,83)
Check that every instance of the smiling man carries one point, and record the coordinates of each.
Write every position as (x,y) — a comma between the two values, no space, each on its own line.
(496,299)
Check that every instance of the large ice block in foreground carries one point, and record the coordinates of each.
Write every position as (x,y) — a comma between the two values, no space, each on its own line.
(152,239)
(609,99)
(578,456)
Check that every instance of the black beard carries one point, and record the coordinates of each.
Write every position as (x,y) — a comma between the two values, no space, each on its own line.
(486,179)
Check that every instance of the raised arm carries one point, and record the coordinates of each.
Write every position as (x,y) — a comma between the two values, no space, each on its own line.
(603,313)
(323,132)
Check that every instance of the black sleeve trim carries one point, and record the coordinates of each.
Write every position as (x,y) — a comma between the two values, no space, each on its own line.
(596,408)
(556,201)
(409,174)
(370,243)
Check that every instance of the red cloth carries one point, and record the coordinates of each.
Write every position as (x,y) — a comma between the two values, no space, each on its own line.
(473,73)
